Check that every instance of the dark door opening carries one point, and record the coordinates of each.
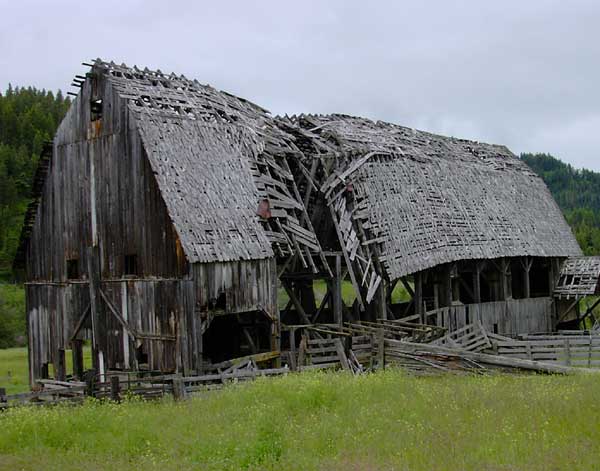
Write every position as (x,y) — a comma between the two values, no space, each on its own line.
(236,335)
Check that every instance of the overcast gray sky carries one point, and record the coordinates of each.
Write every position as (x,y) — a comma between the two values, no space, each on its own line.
(521,73)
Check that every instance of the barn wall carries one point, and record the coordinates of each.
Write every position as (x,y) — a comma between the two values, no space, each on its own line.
(155,310)
(130,212)
(513,316)
(102,162)
(245,285)
(168,304)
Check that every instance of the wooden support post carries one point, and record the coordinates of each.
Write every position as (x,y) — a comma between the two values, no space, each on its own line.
(179,391)
(436,294)
(448,286)
(302,352)
(381,349)
(505,284)
(276,340)
(293,354)
(90,381)
(77,351)
(527,262)
(98,324)
(60,367)
(553,273)
(306,294)
(337,291)
(381,300)
(418,297)
(455,280)
(477,282)
(115,388)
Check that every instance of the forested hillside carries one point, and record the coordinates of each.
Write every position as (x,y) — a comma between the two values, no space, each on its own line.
(28,117)
(577,192)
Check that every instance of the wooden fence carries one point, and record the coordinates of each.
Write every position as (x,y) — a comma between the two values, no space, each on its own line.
(569,350)
(356,348)
(117,386)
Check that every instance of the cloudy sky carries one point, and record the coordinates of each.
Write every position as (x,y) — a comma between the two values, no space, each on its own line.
(521,73)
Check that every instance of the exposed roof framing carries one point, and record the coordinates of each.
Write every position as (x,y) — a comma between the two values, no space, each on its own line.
(416,200)
(579,277)
(220,163)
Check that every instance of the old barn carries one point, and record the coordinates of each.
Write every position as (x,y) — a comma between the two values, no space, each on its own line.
(144,234)
(170,219)
(467,227)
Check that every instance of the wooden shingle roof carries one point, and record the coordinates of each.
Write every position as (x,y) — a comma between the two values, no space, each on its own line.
(218,159)
(424,200)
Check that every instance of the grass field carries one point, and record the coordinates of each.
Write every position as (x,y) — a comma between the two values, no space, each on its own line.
(14,375)
(325,421)
(317,421)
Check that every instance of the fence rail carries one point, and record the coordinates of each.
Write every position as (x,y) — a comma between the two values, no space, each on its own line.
(356,348)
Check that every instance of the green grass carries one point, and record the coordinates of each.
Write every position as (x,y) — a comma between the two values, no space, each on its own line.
(320,288)
(325,421)
(14,372)
(14,375)
(585,303)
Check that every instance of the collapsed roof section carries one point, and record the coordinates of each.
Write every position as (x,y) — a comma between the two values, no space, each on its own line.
(221,167)
(579,277)
(410,200)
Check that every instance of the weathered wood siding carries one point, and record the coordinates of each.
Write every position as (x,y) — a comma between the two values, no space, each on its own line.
(247,286)
(513,316)
(130,213)
(100,177)
(52,312)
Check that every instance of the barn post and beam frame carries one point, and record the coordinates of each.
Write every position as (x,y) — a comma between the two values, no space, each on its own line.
(169,220)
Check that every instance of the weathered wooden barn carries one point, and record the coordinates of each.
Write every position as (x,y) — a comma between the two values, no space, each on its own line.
(160,213)
(167,216)
(467,227)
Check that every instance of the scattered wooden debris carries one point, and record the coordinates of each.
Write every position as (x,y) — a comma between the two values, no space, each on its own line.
(357,347)
(472,337)
(397,329)
(322,353)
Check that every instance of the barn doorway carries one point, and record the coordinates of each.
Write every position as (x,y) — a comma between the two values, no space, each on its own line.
(236,335)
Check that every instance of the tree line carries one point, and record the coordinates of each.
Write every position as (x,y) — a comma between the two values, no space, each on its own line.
(577,192)
(28,118)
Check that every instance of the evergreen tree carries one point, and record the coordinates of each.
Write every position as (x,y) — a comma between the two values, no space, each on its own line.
(577,192)
(28,117)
